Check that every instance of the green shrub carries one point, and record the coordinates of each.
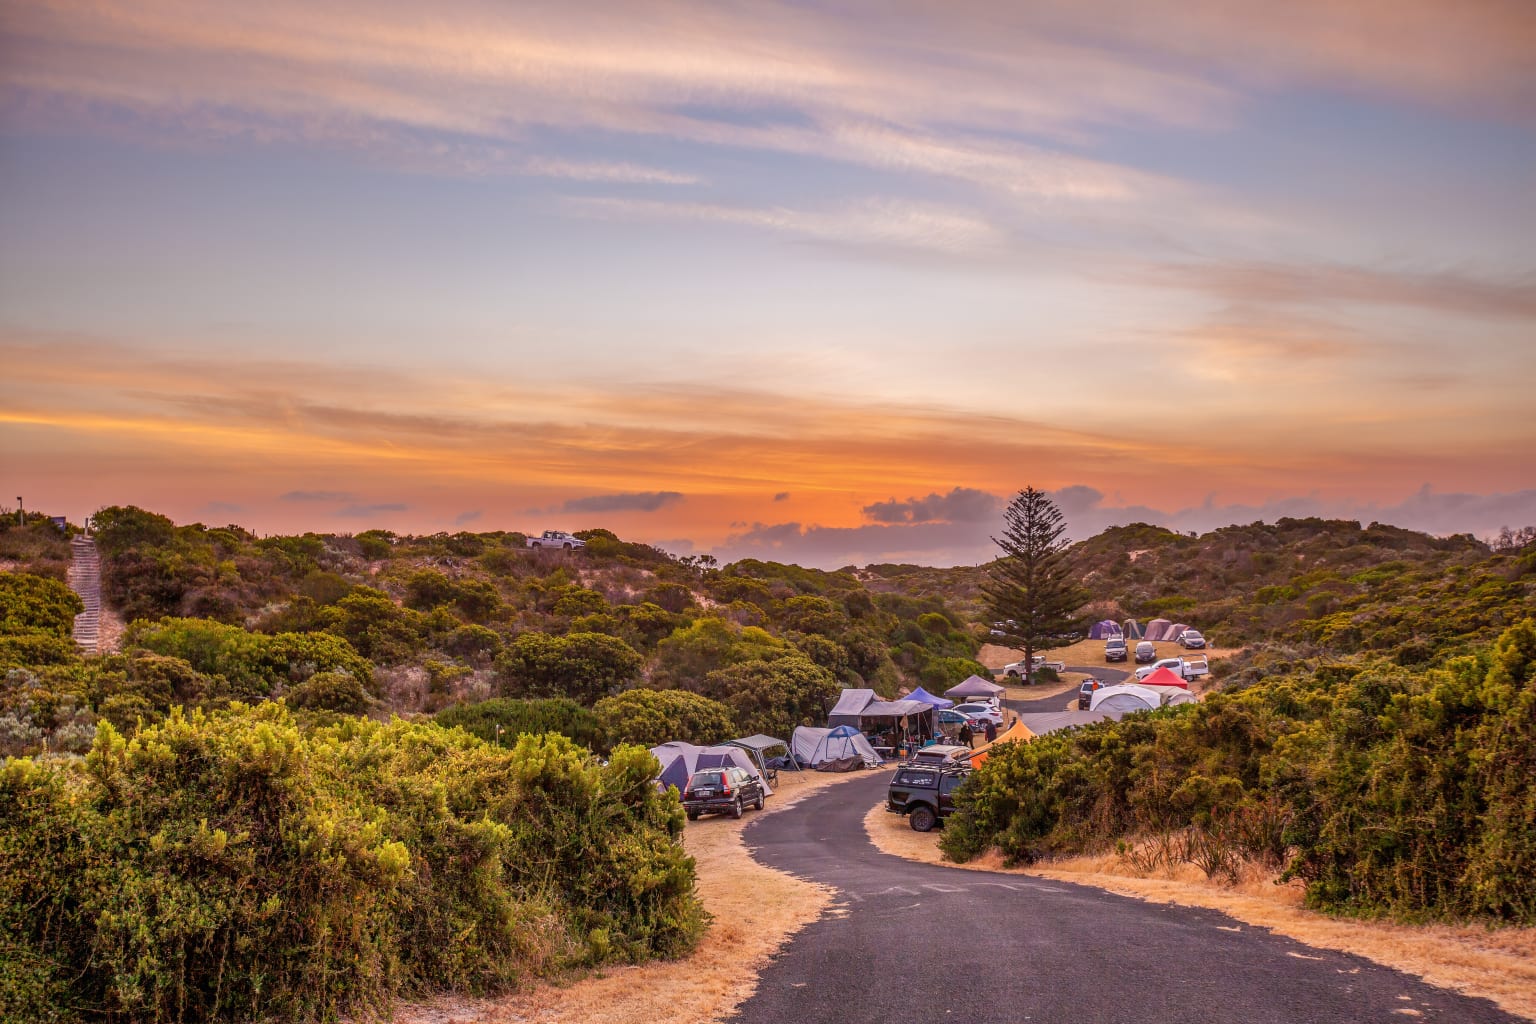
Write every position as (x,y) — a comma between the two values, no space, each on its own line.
(329,691)
(652,717)
(36,604)
(517,717)
(582,666)
(236,867)
(1387,790)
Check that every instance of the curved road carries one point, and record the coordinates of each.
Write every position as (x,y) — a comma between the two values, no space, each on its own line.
(915,943)
(1058,700)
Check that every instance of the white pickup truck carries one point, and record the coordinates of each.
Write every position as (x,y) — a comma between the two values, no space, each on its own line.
(1037,662)
(1185,668)
(556,539)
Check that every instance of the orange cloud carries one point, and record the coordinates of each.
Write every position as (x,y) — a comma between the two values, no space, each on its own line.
(137,425)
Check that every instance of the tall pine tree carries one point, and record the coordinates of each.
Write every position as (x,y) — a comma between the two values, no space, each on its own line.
(1032,590)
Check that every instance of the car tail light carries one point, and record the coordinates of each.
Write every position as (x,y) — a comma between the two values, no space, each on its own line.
(725,789)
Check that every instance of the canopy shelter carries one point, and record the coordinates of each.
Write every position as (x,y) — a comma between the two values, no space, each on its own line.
(1104,629)
(1125,697)
(928,698)
(1164,676)
(680,760)
(895,722)
(840,748)
(758,746)
(974,686)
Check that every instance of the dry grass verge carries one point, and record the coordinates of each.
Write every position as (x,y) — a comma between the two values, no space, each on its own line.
(756,909)
(1498,965)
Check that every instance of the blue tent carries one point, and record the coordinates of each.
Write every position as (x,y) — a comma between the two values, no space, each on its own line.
(928,698)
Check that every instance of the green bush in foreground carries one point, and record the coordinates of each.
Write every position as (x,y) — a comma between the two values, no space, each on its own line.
(234,866)
(1387,790)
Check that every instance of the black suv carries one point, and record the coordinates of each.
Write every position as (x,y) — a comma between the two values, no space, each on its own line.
(721,791)
(925,793)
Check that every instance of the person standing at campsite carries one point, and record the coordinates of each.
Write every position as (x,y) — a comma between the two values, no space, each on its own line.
(990,732)
(964,735)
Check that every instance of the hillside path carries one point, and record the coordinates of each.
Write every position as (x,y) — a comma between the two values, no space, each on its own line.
(84,577)
(915,943)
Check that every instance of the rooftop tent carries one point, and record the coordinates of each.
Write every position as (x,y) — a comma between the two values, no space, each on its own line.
(680,760)
(1103,629)
(837,745)
(928,698)
(1132,629)
(1165,676)
(1125,697)
(1157,629)
(975,686)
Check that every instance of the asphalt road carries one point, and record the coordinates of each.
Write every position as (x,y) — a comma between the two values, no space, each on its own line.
(1041,705)
(914,943)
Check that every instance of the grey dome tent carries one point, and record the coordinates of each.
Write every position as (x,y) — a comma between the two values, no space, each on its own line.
(680,760)
(1132,629)
(841,748)
(1126,697)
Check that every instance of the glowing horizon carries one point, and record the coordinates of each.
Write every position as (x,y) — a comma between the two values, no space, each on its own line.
(793,281)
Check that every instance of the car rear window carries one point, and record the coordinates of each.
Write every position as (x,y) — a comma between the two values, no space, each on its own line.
(911,777)
(705,779)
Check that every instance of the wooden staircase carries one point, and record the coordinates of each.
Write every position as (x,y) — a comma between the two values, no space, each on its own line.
(85,580)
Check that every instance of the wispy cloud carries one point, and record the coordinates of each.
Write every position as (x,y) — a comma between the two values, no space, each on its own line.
(874,222)
(617,173)
(325,496)
(365,511)
(465,518)
(646,501)
(1446,291)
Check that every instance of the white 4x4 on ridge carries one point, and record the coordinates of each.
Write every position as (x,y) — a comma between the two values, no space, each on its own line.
(556,539)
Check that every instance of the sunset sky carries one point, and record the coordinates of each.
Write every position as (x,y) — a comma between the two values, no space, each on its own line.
(813,282)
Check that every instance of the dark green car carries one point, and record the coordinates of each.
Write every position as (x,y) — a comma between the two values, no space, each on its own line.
(925,793)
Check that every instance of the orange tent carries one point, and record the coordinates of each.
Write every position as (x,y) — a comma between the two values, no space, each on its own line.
(1013,734)
(1165,676)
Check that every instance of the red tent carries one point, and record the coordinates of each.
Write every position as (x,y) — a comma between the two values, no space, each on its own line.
(1165,676)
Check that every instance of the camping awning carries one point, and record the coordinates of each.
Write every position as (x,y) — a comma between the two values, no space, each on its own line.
(852,702)
(975,686)
(760,742)
(928,698)
(894,708)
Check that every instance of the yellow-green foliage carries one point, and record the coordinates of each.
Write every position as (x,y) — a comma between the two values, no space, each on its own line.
(234,866)
(1388,790)
(652,717)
